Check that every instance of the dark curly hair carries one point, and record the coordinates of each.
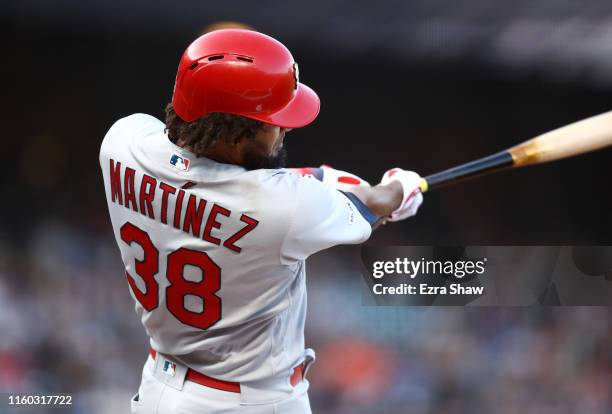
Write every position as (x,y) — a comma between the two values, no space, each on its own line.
(203,133)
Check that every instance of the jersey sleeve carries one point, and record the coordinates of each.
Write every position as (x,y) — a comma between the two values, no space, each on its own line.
(323,218)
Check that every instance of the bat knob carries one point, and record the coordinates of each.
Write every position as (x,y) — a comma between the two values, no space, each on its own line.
(423,185)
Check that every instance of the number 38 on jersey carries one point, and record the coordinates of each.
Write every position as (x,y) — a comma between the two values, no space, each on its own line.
(178,287)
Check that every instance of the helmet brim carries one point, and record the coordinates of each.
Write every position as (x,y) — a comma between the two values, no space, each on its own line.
(301,111)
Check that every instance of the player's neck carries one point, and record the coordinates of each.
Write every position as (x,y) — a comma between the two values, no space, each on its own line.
(221,152)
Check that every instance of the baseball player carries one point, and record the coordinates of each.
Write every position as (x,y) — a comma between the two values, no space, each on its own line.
(214,234)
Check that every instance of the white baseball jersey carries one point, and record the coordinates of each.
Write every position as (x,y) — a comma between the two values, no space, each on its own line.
(214,254)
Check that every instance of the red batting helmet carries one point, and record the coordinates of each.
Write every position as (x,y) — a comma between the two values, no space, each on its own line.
(245,73)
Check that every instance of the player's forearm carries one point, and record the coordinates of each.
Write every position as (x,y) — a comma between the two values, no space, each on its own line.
(382,200)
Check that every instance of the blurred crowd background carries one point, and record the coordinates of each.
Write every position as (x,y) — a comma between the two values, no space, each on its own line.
(419,84)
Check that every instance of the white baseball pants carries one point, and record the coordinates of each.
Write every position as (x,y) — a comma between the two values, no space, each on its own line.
(157,395)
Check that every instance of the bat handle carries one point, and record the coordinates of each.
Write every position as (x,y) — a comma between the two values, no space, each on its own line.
(478,167)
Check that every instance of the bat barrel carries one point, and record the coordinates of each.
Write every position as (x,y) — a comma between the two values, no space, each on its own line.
(583,136)
(483,165)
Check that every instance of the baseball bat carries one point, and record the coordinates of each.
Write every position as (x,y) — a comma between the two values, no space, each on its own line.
(587,135)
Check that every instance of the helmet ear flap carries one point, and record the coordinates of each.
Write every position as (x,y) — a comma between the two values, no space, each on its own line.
(241,72)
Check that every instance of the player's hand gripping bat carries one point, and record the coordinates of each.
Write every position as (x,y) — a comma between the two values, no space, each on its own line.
(583,136)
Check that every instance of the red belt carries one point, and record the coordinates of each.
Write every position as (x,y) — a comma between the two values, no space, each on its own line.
(195,376)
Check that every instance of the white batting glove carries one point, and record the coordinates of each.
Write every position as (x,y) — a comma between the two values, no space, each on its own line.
(412,193)
(332,178)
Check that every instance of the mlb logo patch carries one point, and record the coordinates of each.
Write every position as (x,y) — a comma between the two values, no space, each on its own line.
(180,163)
(169,368)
